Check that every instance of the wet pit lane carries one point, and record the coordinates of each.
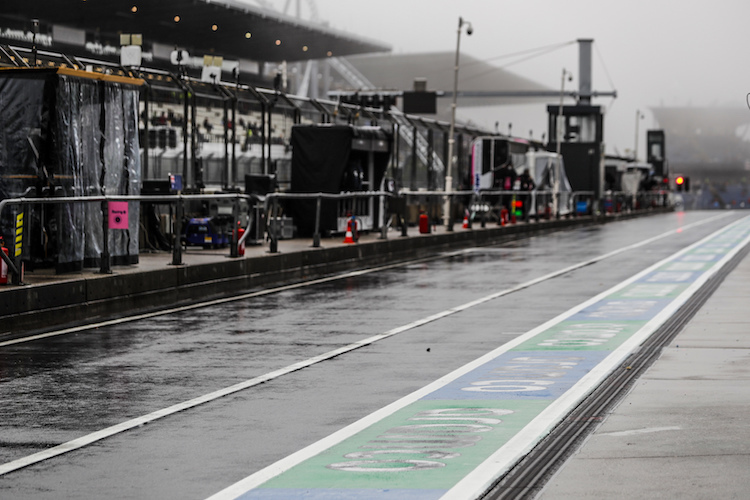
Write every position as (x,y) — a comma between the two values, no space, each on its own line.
(61,388)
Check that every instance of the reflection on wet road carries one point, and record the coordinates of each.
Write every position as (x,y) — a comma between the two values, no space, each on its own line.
(61,388)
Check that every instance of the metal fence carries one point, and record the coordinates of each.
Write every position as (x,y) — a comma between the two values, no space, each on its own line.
(15,264)
(484,207)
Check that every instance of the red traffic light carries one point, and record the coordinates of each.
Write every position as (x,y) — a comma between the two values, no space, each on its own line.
(679,181)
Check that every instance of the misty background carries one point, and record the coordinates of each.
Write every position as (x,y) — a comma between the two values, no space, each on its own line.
(657,53)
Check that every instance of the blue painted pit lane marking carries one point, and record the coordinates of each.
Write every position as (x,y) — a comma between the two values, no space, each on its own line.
(622,309)
(450,440)
(524,375)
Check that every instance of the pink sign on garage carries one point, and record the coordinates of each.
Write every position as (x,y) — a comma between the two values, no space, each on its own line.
(118,214)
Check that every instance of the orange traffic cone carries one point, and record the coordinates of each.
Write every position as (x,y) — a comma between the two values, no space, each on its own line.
(466,221)
(349,238)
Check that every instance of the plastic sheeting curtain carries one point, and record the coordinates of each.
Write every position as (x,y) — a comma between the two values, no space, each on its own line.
(122,167)
(74,99)
(87,134)
(21,102)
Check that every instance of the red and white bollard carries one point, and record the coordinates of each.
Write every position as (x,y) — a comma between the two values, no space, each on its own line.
(240,246)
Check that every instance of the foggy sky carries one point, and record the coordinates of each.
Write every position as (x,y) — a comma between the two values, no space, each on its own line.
(654,53)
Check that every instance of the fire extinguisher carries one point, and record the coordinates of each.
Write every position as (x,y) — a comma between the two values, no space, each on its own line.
(3,265)
(424,223)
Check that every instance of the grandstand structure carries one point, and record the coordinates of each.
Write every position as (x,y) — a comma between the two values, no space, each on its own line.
(478,80)
(188,125)
(245,35)
(269,65)
(707,143)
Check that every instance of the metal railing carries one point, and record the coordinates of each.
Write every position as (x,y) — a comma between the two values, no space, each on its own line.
(15,265)
(272,210)
(619,201)
(484,203)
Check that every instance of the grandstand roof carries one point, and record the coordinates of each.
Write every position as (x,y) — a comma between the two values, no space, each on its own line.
(707,135)
(398,71)
(691,121)
(229,28)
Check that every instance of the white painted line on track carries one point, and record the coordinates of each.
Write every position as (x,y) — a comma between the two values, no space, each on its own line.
(635,432)
(140,421)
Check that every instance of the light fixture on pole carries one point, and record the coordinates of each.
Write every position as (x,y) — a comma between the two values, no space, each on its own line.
(560,123)
(451,139)
(559,138)
(130,49)
(638,117)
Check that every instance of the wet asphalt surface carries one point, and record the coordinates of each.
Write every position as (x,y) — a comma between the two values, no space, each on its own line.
(61,388)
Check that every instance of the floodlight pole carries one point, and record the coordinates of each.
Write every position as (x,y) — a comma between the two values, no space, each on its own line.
(447,220)
(638,117)
(559,134)
(560,122)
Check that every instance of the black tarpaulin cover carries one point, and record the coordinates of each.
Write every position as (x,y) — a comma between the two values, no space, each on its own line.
(84,128)
(322,159)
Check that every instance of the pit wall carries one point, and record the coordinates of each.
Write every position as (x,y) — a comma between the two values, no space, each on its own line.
(33,309)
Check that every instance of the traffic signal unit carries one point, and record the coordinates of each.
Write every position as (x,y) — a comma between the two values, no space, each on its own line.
(682,183)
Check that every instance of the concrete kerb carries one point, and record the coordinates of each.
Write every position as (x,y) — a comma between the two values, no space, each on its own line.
(43,307)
